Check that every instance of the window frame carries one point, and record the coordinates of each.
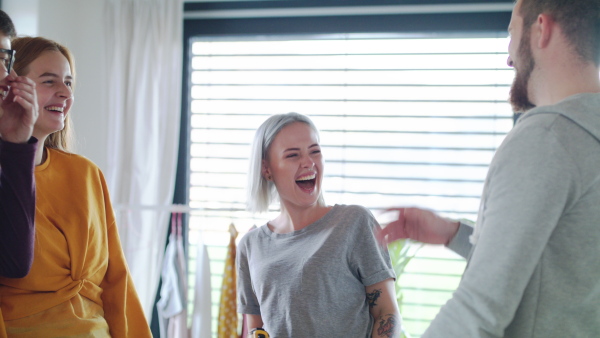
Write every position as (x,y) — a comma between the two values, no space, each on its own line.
(443,24)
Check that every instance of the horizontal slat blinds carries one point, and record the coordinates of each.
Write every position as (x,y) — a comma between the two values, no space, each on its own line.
(403,121)
(344,7)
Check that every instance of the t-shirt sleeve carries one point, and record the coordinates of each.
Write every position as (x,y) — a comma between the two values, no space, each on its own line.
(247,301)
(371,260)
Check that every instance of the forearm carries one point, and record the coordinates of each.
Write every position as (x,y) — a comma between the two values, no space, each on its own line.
(253,322)
(384,309)
(387,325)
(17,208)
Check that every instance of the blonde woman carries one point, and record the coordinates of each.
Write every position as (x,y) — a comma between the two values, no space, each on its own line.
(314,270)
(79,283)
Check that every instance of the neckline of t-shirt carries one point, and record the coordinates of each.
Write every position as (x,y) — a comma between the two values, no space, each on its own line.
(311,227)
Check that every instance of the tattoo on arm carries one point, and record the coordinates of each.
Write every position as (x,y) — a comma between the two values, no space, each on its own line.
(372,297)
(388,326)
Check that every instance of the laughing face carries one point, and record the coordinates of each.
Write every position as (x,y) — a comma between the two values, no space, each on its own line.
(52,73)
(295,165)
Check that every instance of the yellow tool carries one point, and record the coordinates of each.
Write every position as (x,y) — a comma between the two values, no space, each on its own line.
(258,332)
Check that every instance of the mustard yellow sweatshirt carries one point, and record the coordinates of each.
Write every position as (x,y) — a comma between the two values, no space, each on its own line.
(79,283)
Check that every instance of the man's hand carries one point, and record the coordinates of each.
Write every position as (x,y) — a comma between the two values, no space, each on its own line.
(19,109)
(420,225)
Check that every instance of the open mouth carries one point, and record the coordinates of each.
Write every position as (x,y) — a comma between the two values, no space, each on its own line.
(55,109)
(307,182)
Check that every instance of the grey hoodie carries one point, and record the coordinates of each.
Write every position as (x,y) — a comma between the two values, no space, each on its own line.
(534,258)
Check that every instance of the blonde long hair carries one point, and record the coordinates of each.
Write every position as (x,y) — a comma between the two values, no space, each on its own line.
(30,48)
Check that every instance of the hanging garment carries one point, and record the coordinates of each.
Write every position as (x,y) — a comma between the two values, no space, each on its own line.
(171,306)
(178,324)
(202,315)
(228,317)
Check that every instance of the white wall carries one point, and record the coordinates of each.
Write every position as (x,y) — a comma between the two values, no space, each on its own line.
(78,25)
(24,14)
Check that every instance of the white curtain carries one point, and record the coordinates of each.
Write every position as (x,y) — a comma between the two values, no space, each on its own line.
(144,100)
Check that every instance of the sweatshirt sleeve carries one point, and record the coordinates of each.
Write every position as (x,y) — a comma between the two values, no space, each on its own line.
(460,242)
(17,207)
(530,182)
(122,308)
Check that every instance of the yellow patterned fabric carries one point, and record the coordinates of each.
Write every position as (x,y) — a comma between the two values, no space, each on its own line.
(2,329)
(228,317)
(79,284)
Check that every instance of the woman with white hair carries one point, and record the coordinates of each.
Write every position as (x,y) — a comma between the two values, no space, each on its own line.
(314,270)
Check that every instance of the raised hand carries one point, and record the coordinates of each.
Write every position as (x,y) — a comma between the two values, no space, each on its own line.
(420,225)
(19,109)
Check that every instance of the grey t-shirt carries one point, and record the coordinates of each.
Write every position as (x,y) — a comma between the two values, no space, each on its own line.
(311,282)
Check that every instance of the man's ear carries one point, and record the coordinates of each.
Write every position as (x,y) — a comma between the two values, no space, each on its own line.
(543,29)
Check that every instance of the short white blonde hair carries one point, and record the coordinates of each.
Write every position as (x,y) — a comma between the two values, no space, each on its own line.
(261,192)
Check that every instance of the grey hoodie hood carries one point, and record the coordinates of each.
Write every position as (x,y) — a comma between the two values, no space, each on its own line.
(577,109)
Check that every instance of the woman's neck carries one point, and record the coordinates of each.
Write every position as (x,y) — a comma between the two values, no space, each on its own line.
(40,153)
(293,219)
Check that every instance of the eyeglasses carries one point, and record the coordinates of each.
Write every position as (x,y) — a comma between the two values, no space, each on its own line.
(7,57)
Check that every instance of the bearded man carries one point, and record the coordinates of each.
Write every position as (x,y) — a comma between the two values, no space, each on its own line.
(534,255)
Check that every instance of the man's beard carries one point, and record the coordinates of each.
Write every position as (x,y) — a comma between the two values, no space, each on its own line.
(519,94)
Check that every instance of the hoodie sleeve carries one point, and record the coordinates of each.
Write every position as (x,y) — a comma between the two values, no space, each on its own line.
(530,182)
(17,207)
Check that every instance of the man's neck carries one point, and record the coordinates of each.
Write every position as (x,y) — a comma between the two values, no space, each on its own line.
(554,84)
